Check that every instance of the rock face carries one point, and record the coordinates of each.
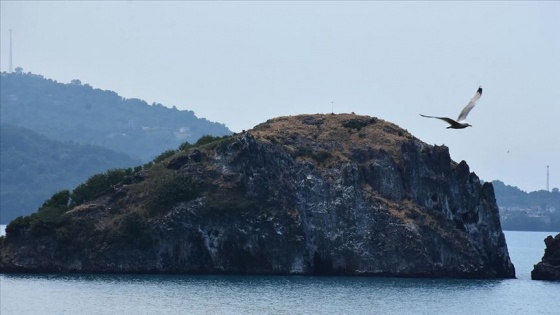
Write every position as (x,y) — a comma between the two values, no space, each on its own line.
(549,267)
(309,194)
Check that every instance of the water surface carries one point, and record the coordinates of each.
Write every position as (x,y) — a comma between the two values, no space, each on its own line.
(182,294)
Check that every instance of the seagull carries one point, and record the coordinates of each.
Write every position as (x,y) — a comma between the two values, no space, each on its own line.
(460,123)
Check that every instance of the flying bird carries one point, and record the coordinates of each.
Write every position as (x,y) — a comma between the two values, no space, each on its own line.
(460,123)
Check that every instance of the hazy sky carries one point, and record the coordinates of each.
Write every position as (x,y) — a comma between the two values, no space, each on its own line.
(241,63)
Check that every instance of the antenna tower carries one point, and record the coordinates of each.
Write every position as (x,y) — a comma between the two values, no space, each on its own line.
(547,178)
(11,69)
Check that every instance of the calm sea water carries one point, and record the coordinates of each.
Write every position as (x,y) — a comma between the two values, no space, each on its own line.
(173,294)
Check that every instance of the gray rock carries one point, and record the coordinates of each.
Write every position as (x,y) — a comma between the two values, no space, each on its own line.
(309,194)
(549,267)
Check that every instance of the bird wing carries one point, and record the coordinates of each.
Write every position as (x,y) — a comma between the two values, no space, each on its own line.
(470,105)
(448,120)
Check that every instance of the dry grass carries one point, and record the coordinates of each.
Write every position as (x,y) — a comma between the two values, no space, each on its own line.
(325,139)
(341,131)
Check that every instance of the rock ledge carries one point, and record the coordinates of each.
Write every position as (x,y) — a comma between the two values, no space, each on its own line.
(549,267)
(309,194)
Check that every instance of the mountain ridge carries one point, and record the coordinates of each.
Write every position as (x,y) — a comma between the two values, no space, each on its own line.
(80,113)
(73,118)
(34,167)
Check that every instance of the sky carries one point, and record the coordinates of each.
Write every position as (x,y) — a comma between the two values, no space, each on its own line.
(243,62)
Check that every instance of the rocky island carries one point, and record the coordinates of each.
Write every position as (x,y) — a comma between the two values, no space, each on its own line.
(310,194)
(549,267)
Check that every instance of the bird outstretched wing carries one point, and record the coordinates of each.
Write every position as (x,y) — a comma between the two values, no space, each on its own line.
(470,105)
(446,119)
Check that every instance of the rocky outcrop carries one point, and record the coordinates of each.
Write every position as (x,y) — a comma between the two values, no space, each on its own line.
(309,194)
(549,267)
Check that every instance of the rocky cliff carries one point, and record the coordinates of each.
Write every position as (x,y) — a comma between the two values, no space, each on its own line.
(309,194)
(549,267)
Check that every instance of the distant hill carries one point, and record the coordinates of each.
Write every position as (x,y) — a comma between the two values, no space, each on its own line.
(533,211)
(55,136)
(34,167)
(78,112)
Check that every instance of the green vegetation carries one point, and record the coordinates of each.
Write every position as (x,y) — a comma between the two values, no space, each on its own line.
(164,155)
(203,141)
(131,229)
(168,190)
(321,156)
(46,220)
(55,136)
(508,196)
(357,123)
(77,112)
(97,184)
(172,190)
(59,200)
(303,151)
(52,220)
(34,167)
(522,211)
(206,140)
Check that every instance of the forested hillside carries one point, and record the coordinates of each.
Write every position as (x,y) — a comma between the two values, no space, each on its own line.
(55,136)
(533,211)
(34,167)
(78,112)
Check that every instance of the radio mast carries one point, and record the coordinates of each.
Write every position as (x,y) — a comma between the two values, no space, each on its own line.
(11,68)
(547,178)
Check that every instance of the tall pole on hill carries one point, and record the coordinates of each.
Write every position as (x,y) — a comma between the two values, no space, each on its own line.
(547,178)
(11,69)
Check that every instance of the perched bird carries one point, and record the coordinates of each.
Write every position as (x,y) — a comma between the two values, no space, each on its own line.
(460,123)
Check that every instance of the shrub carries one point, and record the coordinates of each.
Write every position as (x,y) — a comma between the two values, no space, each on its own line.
(129,231)
(177,188)
(59,199)
(302,151)
(164,155)
(135,231)
(76,237)
(206,139)
(356,123)
(321,156)
(185,146)
(49,216)
(18,224)
(97,184)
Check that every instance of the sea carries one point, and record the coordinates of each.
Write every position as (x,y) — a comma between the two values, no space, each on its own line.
(218,294)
